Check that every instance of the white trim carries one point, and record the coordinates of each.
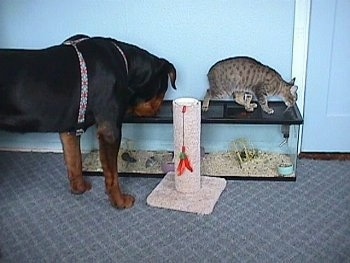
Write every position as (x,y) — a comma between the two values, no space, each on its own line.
(300,51)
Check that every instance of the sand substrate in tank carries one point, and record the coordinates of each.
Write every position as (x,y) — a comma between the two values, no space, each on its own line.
(213,164)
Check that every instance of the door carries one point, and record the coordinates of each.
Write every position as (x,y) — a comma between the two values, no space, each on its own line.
(327,93)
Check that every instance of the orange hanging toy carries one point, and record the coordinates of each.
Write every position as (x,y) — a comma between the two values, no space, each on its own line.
(184,161)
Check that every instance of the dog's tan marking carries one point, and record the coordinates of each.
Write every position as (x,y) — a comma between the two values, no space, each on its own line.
(108,158)
(72,157)
(149,108)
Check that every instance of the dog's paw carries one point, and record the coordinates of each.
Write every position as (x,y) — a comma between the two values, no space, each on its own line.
(80,187)
(124,201)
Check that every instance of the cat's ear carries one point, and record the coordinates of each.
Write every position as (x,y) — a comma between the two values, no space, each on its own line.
(292,81)
(294,89)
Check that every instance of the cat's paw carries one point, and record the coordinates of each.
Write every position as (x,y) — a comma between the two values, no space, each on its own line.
(249,109)
(269,111)
(205,108)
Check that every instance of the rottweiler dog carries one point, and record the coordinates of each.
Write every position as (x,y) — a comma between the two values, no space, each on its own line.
(82,82)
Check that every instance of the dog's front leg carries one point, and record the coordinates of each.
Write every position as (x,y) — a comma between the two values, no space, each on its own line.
(109,147)
(72,157)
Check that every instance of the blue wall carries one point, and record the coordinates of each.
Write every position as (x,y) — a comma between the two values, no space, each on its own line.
(191,34)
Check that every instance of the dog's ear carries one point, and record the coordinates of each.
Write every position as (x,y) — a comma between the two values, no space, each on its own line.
(172,74)
(170,70)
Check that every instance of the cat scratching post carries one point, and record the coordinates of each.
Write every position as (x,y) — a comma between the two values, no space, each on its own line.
(187,130)
(185,189)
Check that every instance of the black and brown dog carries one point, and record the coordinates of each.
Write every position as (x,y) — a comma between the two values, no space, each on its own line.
(72,86)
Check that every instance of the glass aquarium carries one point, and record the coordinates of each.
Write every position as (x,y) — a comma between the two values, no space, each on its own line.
(234,143)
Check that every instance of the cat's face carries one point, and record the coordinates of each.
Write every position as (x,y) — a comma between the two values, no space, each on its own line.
(290,95)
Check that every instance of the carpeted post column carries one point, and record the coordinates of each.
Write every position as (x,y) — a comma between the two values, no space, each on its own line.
(187,126)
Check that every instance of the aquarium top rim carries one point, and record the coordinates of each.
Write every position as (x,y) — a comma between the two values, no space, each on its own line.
(228,112)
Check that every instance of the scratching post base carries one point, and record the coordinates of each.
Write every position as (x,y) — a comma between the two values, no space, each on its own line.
(202,201)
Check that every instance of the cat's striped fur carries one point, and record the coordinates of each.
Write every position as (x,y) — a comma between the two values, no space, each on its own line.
(245,79)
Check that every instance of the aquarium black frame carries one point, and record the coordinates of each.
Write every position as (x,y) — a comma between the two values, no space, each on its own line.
(229,112)
(227,177)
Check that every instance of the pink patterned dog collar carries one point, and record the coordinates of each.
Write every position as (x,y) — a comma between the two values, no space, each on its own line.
(84,84)
(124,57)
(84,80)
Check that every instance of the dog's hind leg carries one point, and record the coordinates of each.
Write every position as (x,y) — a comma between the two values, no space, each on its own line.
(109,147)
(72,157)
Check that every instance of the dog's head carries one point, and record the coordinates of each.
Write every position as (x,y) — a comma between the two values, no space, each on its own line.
(149,83)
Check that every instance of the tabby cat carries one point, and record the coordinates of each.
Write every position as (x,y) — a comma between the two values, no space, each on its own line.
(246,79)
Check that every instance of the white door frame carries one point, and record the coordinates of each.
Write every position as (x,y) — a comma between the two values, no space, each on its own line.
(300,52)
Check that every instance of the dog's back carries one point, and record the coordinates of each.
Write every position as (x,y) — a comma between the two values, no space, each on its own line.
(34,85)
